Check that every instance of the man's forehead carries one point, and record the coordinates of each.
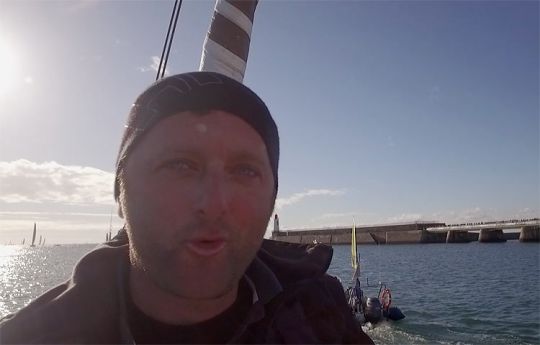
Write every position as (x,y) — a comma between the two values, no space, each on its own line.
(189,130)
(202,122)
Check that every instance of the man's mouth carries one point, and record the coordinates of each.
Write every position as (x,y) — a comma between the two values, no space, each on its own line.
(206,247)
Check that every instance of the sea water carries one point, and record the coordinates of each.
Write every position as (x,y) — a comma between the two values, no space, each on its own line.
(473,293)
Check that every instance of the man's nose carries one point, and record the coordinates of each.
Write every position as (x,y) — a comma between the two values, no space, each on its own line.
(212,198)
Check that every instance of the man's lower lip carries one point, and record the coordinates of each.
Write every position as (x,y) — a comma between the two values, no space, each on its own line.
(206,248)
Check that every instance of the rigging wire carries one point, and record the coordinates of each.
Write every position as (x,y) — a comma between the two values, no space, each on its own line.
(168,40)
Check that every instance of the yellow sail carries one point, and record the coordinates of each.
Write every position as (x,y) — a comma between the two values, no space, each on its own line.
(354,255)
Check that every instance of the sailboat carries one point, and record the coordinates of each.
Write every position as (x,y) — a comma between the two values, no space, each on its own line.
(33,237)
(108,235)
(368,309)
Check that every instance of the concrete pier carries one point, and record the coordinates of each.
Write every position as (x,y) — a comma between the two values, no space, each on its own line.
(361,238)
(415,232)
(415,236)
(401,237)
(378,238)
(491,235)
(316,238)
(458,237)
(530,233)
(432,237)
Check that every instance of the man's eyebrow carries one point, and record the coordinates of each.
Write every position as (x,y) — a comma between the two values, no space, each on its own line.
(168,151)
(249,157)
(239,156)
(173,152)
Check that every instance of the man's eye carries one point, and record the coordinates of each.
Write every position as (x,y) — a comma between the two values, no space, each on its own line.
(180,165)
(246,171)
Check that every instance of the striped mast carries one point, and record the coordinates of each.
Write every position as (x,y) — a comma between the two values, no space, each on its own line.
(226,46)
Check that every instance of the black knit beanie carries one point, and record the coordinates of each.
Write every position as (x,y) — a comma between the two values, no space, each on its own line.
(197,92)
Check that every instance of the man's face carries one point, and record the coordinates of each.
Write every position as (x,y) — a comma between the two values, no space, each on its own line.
(197,194)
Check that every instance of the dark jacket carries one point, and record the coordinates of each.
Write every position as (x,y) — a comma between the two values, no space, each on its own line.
(296,301)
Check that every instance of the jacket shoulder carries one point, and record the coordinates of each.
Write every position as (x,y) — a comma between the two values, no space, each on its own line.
(301,269)
(69,311)
(292,262)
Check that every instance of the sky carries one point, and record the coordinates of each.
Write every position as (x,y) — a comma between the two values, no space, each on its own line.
(388,111)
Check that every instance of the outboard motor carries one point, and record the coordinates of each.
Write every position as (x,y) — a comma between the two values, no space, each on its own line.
(373,310)
(394,314)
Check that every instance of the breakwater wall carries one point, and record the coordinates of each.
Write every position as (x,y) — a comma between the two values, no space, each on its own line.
(377,234)
(397,237)
(402,234)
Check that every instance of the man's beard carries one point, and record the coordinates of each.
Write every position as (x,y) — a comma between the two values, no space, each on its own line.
(172,268)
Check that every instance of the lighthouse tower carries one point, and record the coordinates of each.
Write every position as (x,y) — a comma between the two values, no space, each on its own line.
(275,232)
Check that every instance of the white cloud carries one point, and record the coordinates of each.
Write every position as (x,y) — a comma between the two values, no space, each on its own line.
(526,213)
(404,217)
(469,215)
(58,229)
(339,218)
(22,181)
(57,224)
(153,66)
(474,214)
(478,214)
(338,215)
(18,214)
(297,197)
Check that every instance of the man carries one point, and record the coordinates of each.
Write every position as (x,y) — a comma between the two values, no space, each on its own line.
(196,182)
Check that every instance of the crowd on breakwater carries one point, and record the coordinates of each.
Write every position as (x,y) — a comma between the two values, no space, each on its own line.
(495,222)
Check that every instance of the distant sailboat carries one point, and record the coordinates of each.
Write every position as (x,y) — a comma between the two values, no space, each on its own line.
(108,236)
(40,239)
(24,239)
(34,237)
(42,244)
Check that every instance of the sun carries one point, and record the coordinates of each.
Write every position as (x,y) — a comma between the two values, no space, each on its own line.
(9,68)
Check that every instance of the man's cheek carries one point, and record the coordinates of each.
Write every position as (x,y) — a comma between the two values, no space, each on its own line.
(248,214)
